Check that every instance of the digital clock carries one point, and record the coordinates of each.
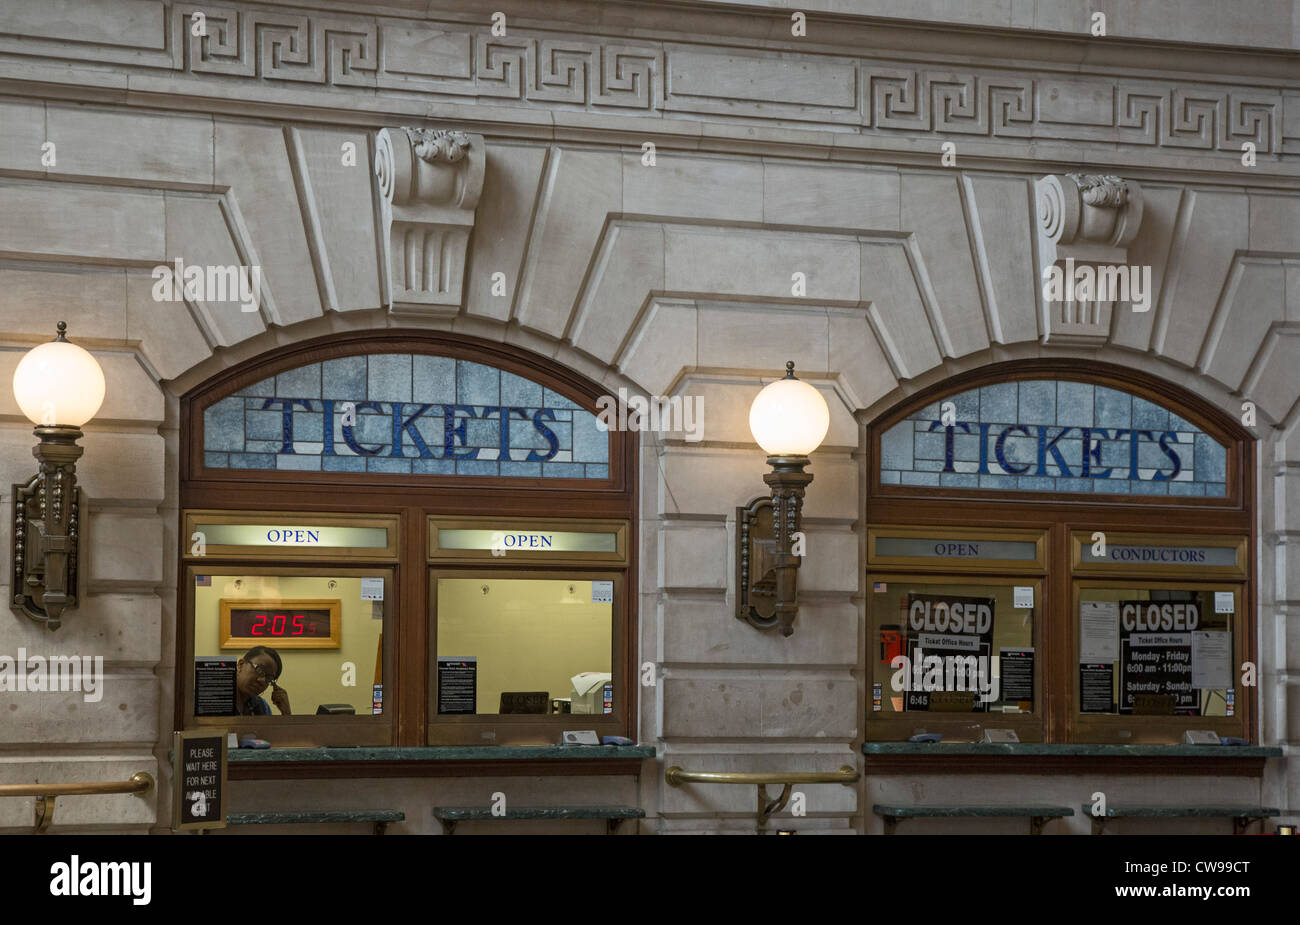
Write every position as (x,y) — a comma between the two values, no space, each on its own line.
(281,623)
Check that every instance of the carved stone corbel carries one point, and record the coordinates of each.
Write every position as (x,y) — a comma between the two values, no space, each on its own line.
(429,184)
(1085,224)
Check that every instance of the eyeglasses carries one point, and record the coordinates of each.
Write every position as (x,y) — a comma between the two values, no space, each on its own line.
(261,672)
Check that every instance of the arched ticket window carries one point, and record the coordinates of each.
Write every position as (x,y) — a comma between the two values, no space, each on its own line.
(429,532)
(1062,550)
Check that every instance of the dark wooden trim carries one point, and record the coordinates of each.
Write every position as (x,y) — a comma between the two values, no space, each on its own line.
(891,505)
(1186,404)
(539,369)
(321,770)
(414,498)
(468,729)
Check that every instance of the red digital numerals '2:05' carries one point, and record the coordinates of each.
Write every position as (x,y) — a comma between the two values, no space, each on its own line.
(267,625)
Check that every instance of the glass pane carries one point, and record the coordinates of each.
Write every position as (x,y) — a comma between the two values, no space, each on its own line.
(952,648)
(409,413)
(1053,436)
(278,645)
(524,645)
(1156,652)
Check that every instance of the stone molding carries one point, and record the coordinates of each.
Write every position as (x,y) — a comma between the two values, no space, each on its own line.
(429,184)
(292,50)
(1085,224)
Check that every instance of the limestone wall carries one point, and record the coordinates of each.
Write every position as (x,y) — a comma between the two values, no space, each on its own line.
(771,159)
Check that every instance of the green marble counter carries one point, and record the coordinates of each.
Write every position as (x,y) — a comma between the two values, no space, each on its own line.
(926,812)
(1041,749)
(1170,812)
(443,753)
(478,813)
(315,816)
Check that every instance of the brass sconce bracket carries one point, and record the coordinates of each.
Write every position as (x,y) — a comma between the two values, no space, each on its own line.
(766,566)
(47,529)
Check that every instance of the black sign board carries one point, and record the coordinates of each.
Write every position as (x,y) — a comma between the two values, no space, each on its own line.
(457,685)
(214,686)
(1017,678)
(199,779)
(1155,655)
(1096,686)
(954,633)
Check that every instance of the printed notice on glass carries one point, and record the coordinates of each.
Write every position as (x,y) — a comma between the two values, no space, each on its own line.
(602,592)
(1223,602)
(457,684)
(372,589)
(1096,687)
(1017,678)
(1098,632)
(1212,660)
(1022,597)
(214,685)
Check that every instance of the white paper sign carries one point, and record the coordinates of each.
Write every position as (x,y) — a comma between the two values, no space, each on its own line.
(580,737)
(1223,602)
(1023,597)
(1098,632)
(602,592)
(1212,660)
(372,589)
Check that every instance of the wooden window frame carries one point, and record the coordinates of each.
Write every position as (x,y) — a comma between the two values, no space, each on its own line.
(1144,730)
(540,729)
(1232,518)
(298,729)
(892,727)
(411,499)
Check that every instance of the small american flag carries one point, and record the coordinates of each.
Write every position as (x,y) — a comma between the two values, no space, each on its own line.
(879,587)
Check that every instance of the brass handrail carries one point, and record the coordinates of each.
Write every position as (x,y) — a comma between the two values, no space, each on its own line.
(766,804)
(139,782)
(676,776)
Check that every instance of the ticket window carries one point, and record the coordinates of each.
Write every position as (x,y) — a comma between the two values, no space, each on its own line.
(1156,651)
(291,654)
(529,647)
(1157,658)
(950,653)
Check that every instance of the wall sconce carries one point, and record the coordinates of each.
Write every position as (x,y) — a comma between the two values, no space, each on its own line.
(789,420)
(59,386)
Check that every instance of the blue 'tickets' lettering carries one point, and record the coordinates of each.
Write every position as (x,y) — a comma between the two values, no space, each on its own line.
(948,440)
(407,427)
(286,405)
(1046,446)
(547,434)
(453,428)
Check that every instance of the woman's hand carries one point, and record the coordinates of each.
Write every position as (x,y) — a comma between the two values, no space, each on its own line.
(281,700)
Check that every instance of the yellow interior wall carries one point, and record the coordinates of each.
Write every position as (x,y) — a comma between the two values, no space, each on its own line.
(311,676)
(524,637)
